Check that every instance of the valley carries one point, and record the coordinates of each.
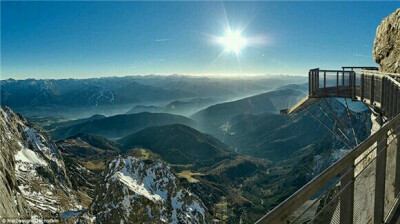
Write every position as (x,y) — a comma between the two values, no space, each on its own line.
(197,160)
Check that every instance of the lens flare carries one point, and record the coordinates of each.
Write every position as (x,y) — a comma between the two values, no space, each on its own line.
(233,41)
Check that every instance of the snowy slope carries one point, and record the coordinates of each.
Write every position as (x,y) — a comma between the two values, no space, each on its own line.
(141,191)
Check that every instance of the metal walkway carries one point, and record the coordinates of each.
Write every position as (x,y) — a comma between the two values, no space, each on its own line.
(364,185)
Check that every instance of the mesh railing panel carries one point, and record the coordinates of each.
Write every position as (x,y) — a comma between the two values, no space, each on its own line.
(325,207)
(390,174)
(364,190)
(377,89)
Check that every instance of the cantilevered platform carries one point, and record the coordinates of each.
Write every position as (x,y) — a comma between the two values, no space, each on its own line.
(379,91)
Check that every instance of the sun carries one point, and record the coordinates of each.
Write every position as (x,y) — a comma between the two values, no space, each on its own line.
(233,41)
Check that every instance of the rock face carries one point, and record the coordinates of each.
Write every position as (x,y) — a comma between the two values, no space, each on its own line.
(12,203)
(142,191)
(386,51)
(33,177)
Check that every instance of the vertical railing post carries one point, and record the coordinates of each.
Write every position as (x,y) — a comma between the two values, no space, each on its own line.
(309,83)
(372,90)
(398,101)
(337,83)
(389,109)
(393,96)
(313,78)
(380,179)
(350,88)
(343,78)
(387,95)
(397,173)
(362,87)
(383,95)
(395,100)
(347,197)
(353,97)
(324,83)
(317,77)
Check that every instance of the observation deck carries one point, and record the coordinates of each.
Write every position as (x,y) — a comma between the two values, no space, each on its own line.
(364,185)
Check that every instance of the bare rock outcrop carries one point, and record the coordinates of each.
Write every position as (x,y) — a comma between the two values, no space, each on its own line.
(386,51)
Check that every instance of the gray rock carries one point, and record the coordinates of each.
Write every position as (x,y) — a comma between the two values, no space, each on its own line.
(386,51)
(33,180)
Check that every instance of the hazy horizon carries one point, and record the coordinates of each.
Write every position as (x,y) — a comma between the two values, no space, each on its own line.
(248,76)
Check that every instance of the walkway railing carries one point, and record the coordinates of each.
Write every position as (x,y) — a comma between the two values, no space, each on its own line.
(363,186)
(378,90)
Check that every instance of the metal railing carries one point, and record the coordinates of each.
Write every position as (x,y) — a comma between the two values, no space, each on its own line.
(361,187)
(331,83)
(378,90)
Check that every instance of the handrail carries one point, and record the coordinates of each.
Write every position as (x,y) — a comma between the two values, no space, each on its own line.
(287,207)
(394,81)
(361,67)
(379,73)
(333,70)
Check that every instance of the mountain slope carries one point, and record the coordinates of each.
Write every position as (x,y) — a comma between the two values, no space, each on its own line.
(120,125)
(276,136)
(215,116)
(135,191)
(180,107)
(88,146)
(179,144)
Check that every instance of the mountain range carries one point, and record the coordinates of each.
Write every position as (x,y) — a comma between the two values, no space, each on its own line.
(229,162)
(76,98)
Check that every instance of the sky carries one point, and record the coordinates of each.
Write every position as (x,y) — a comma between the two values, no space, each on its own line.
(97,39)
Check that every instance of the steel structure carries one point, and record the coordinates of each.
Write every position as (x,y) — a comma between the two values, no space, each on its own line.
(364,185)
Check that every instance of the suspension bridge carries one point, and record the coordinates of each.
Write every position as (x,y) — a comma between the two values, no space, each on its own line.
(363,186)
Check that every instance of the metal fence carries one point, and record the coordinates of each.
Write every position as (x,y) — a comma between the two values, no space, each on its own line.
(376,89)
(362,187)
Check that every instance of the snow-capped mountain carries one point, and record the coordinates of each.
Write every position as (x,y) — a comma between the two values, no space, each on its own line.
(142,191)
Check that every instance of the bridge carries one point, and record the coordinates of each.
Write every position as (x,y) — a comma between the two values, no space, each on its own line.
(363,186)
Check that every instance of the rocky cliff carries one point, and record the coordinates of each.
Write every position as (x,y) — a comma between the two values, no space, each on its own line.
(33,177)
(386,51)
(143,191)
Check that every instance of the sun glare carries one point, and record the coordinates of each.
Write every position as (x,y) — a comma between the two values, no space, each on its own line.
(233,41)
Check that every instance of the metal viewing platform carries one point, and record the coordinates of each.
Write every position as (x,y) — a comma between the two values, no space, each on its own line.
(364,185)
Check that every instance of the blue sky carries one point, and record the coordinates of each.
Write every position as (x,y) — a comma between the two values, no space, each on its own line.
(91,39)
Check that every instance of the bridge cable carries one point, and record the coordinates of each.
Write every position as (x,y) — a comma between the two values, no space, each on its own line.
(351,123)
(323,124)
(334,123)
(343,124)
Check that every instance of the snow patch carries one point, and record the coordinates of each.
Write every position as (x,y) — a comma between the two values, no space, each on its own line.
(28,156)
(136,187)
